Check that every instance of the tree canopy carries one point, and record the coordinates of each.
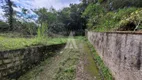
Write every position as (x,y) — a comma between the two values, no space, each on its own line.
(88,14)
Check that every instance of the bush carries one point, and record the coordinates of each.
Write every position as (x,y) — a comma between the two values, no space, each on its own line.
(131,21)
(110,20)
(93,12)
(42,31)
(116,4)
(3,25)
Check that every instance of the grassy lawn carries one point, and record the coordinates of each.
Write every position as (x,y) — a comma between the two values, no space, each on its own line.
(8,43)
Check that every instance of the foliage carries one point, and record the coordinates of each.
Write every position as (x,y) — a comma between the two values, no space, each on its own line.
(110,15)
(55,24)
(93,12)
(46,16)
(29,28)
(41,31)
(26,28)
(9,12)
(77,22)
(105,71)
(109,21)
(92,9)
(3,25)
(116,4)
(134,18)
(63,21)
(9,43)
(59,22)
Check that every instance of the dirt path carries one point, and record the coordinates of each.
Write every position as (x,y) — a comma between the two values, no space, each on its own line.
(74,62)
(86,69)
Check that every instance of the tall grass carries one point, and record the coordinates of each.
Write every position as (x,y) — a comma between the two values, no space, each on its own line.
(42,31)
(10,42)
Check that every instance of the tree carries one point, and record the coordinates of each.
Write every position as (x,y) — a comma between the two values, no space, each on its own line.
(116,4)
(47,17)
(3,26)
(9,12)
(66,20)
(42,15)
(90,1)
(92,13)
(77,22)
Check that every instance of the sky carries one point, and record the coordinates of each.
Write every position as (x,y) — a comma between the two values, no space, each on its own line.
(35,4)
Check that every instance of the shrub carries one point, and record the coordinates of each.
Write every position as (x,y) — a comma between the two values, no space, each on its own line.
(132,21)
(42,30)
(93,12)
(3,25)
(111,20)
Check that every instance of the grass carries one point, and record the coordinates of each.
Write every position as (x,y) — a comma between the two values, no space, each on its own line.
(67,66)
(61,66)
(11,41)
(67,59)
(91,66)
(8,43)
(105,73)
(104,70)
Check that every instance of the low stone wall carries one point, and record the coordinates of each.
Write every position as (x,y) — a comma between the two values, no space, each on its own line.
(120,51)
(14,63)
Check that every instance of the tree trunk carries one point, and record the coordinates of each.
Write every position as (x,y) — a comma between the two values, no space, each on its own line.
(10,15)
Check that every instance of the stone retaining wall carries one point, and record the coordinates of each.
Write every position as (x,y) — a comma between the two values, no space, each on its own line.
(14,63)
(120,51)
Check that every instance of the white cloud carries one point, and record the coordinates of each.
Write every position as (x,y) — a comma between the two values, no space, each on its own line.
(57,4)
(34,4)
(2,15)
(48,3)
(17,9)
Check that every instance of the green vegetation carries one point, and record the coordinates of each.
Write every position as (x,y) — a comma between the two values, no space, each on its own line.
(65,64)
(62,66)
(42,30)
(97,15)
(20,31)
(93,12)
(95,62)
(3,25)
(7,43)
(106,75)
(14,40)
(92,67)
(114,15)
(59,22)
(112,21)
